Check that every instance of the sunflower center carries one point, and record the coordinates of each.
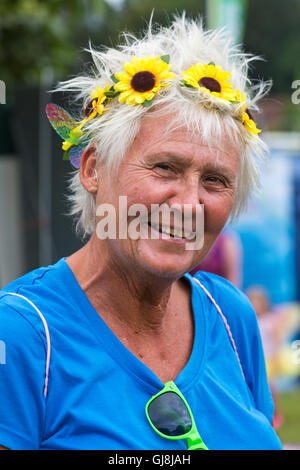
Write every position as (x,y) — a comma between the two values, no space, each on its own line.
(210,83)
(143,81)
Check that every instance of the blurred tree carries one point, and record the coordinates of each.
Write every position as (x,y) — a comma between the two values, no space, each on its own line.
(133,16)
(136,13)
(42,38)
(39,37)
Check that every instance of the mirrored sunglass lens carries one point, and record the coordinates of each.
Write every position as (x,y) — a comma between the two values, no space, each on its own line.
(169,414)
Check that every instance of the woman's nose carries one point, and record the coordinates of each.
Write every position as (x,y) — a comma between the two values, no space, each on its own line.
(188,203)
(189,193)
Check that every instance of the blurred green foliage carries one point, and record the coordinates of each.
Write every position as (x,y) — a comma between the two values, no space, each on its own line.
(136,13)
(273,32)
(43,40)
(39,37)
(290,409)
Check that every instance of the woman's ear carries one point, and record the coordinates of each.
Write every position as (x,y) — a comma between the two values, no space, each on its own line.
(88,173)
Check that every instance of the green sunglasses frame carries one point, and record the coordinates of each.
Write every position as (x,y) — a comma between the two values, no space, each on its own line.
(194,441)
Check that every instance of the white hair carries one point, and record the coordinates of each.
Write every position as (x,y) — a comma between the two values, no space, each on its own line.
(112,133)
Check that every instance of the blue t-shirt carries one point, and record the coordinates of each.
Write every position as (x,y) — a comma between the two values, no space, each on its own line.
(98,389)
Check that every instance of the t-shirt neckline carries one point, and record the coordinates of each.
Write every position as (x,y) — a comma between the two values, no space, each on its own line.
(125,358)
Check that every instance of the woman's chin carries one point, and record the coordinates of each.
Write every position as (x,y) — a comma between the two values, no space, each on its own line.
(165,260)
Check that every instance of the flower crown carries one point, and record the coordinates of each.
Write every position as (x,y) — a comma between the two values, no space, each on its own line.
(138,84)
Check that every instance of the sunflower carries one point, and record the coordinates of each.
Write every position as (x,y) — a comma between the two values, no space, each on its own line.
(142,79)
(210,79)
(246,116)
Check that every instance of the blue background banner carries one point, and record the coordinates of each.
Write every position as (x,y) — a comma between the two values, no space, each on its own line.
(268,230)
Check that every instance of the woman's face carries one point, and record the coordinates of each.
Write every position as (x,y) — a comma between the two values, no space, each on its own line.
(174,169)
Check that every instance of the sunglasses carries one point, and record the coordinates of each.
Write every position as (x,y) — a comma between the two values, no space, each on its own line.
(170,416)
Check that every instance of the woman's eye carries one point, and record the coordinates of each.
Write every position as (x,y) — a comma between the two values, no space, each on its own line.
(215,180)
(163,166)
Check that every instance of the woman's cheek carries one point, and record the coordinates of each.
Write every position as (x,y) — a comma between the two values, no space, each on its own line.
(216,214)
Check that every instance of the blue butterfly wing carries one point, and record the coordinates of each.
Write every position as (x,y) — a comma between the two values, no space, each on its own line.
(75,154)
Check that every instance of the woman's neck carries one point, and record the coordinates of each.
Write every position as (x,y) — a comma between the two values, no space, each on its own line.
(106,284)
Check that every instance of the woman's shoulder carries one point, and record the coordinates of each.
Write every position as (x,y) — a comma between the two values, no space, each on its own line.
(242,323)
(232,301)
(23,300)
(32,277)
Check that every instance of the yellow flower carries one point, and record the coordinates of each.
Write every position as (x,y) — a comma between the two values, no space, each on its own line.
(142,79)
(246,116)
(73,138)
(239,97)
(66,145)
(95,106)
(249,123)
(210,79)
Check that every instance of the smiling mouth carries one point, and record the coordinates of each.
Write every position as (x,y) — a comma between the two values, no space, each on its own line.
(172,232)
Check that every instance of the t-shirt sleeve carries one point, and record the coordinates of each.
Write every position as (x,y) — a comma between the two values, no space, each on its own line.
(22,376)
(243,324)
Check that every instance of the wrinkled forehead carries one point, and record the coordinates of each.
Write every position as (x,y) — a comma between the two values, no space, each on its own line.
(160,129)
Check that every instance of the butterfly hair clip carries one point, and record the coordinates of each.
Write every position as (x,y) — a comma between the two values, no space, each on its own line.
(69,130)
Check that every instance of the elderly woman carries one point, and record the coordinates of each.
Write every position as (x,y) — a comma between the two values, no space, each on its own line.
(117,346)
